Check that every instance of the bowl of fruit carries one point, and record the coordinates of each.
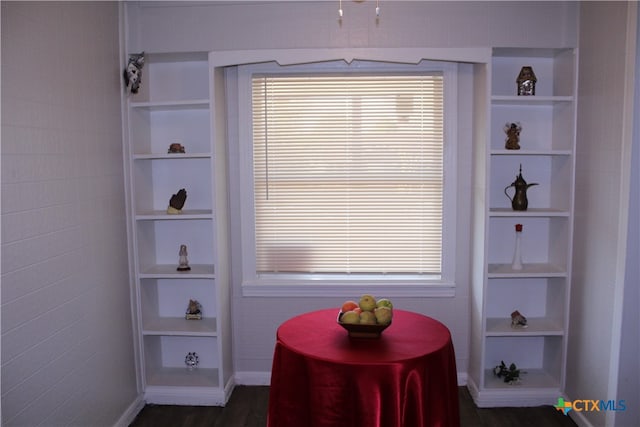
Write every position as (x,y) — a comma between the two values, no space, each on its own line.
(366,318)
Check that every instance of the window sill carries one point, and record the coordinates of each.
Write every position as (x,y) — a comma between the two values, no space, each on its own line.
(276,288)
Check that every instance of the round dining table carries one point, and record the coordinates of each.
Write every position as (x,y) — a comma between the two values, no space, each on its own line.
(322,377)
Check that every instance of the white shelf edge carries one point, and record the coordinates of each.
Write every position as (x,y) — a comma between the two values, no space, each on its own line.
(172,105)
(537,326)
(497,271)
(164,156)
(182,377)
(530,100)
(211,395)
(533,212)
(163,215)
(168,271)
(179,326)
(529,379)
(505,152)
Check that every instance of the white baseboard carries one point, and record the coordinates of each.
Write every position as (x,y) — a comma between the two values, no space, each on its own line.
(496,398)
(130,414)
(191,396)
(462,379)
(579,419)
(252,378)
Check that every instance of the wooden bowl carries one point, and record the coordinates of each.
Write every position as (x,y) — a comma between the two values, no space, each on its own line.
(361,330)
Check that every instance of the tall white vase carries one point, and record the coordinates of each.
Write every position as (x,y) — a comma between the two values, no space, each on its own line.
(517,256)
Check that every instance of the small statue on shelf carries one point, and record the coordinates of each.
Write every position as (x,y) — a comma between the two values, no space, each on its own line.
(176,148)
(513,135)
(526,81)
(518,320)
(176,203)
(194,310)
(511,374)
(182,259)
(191,360)
(133,73)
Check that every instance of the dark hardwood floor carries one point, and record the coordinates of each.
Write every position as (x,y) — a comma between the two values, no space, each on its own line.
(247,407)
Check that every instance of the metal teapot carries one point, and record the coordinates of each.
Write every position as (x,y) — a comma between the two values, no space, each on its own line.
(519,201)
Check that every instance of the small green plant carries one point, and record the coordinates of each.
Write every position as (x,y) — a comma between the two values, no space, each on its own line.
(510,374)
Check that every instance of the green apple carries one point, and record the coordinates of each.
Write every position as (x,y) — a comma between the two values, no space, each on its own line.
(384,302)
(383,315)
(367,302)
(368,318)
(350,317)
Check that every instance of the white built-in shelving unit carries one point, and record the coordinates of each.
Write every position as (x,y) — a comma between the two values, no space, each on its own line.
(540,291)
(174,106)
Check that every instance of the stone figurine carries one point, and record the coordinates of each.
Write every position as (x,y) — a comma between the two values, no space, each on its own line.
(526,82)
(513,135)
(176,148)
(518,320)
(194,310)
(133,73)
(191,360)
(183,261)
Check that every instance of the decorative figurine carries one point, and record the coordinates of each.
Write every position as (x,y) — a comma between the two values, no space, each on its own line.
(176,203)
(516,264)
(511,375)
(194,310)
(175,148)
(519,202)
(192,360)
(133,73)
(526,81)
(513,135)
(182,260)
(518,320)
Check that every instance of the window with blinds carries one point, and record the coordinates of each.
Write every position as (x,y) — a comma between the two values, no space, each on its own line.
(348,173)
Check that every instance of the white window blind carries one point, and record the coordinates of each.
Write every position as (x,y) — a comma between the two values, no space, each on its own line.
(348,173)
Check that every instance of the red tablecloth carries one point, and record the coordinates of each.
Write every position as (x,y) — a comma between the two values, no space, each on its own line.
(321,377)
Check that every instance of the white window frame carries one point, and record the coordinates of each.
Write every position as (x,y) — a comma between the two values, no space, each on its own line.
(347,285)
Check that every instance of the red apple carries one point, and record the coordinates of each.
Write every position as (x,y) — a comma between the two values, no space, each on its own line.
(348,306)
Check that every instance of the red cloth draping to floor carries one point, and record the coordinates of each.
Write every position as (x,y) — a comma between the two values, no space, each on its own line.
(323,378)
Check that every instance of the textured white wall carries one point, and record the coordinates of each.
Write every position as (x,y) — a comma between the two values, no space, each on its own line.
(165,27)
(601,204)
(67,346)
(629,372)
